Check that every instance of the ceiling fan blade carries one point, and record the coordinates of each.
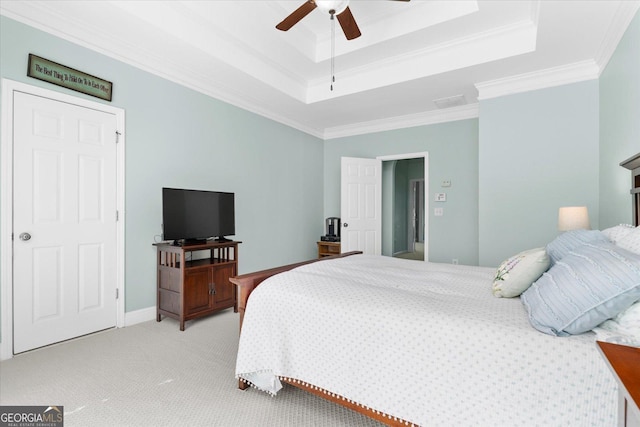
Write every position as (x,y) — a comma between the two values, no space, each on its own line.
(296,15)
(348,24)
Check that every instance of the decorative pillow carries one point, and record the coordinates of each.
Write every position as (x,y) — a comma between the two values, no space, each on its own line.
(569,240)
(626,323)
(517,273)
(593,283)
(631,241)
(617,232)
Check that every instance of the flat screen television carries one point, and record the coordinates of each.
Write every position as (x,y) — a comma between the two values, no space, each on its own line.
(193,216)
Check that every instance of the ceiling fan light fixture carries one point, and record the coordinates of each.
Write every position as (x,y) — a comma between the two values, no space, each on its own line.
(338,6)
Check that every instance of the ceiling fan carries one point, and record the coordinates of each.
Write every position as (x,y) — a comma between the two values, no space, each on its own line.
(339,8)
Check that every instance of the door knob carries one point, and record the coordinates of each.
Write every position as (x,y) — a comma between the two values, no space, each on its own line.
(345,225)
(24,236)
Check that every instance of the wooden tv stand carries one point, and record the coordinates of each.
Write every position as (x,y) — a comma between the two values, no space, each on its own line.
(193,281)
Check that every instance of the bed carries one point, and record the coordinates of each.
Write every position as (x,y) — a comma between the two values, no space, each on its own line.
(412,343)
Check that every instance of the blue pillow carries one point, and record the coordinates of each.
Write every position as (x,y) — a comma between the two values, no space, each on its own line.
(589,285)
(570,240)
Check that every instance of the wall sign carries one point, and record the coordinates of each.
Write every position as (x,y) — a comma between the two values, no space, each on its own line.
(52,72)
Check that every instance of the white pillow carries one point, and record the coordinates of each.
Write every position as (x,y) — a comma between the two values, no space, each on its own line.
(631,241)
(626,324)
(618,232)
(518,272)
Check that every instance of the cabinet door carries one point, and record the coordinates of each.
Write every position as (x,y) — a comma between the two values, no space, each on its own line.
(224,291)
(197,290)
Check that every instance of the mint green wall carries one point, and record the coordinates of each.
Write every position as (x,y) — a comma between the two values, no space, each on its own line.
(619,126)
(453,155)
(538,151)
(178,137)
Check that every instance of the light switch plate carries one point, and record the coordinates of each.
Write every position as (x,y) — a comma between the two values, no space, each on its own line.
(441,197)
(446,183)
(438,211)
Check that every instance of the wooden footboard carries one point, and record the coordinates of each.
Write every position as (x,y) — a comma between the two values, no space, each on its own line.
(332,397)
(335,398)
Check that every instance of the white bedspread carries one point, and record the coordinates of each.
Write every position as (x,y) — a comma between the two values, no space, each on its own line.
(424,342)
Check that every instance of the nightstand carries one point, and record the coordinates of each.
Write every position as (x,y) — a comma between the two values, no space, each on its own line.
(624,362)
(328,249)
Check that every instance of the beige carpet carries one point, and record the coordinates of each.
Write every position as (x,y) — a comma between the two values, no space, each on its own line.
(151,374)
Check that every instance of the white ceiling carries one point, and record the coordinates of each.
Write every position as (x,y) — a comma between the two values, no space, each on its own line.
(409,54)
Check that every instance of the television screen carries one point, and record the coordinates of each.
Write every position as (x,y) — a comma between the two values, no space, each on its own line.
(196,214)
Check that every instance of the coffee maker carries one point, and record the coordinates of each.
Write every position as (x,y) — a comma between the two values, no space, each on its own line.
(332,230)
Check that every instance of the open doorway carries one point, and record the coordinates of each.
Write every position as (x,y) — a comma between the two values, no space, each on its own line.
(405,206)
(415,221)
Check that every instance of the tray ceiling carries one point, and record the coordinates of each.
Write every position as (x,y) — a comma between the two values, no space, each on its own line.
(417,62)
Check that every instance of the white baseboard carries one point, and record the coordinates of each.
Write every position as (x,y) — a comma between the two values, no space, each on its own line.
(139,316)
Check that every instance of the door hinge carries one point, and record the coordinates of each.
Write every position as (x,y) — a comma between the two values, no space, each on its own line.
(117,293)
(118,136)
(117,216)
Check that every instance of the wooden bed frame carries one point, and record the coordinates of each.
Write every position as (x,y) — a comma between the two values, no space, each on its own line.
(246,283)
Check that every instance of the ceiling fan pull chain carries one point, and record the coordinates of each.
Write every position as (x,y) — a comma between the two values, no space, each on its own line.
(333,48)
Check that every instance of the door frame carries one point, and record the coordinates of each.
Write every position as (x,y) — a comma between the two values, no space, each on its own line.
(6,201)
(425,156)
(412,205)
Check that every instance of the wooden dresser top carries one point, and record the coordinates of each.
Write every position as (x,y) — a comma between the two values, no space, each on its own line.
(625,364)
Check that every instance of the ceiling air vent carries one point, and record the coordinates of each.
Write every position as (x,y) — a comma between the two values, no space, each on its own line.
(451,101)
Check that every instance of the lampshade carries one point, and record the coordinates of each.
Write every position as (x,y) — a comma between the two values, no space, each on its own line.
(573,218)
(338,5)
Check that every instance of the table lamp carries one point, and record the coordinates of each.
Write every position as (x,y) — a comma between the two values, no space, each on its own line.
(573,218)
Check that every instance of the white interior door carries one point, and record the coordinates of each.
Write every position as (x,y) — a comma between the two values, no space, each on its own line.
(361,205)
(64,227)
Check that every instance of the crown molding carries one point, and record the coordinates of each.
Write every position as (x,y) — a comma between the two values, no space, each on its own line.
(478,48)
(570,73)
(619,24)
(177,73)
(550,77)
(127,52)
(464,112)
(194,29)
(41,15)
(421,16)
